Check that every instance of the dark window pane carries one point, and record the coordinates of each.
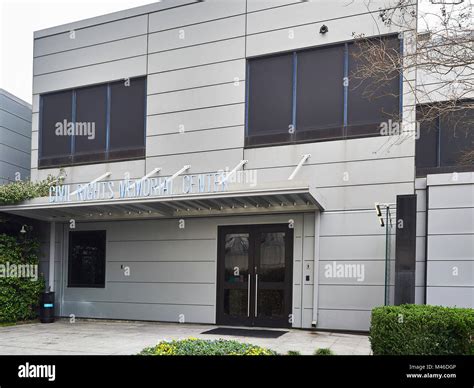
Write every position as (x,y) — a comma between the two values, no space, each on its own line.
(236,259)
(91,115)
(456,137)
(320,92)
(127,115)
(271,303)
(270,97)
(272,257)
(56,114)
(235,302)
(427,144)
(371,100)
(87,259)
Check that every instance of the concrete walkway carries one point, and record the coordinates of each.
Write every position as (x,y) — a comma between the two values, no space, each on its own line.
(122,338)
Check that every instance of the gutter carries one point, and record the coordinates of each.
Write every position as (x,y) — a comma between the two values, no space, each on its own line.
(317,226)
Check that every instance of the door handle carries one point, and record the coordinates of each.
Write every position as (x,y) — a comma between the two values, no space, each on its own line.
(256,294)
(248,296)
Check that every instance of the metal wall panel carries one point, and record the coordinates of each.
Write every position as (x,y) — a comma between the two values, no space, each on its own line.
(232,71)
(217,30)
(226,50)
(94,74)
(195,13)
(197,98)
(210,161)
(308,35)
(450,248)
(105,52)
(196,120)
(77,38)
(212,139)
(299,12)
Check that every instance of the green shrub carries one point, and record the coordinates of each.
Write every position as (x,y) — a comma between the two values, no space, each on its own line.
(323,352)
(19,296)
(422,330)
(294,353)
(20,191)
(199,347)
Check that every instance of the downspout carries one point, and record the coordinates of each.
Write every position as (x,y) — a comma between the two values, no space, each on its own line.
(52,250)
(426,243)
(317,226)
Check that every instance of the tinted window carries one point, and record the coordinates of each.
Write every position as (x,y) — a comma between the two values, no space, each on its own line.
(371,100)
(427,143)
(87,259)
(55,112)
(456,137)
(270,95)
(324,106)
(320,91)
(445,141)
(91,115)
(127,115)
(109,124)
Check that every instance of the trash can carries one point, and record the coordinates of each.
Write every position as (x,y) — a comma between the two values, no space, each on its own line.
(47,307)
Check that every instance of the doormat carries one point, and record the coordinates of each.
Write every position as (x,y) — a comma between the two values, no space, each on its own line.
(257,333)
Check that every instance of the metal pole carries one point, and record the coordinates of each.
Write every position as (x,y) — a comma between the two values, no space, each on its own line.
(387,252)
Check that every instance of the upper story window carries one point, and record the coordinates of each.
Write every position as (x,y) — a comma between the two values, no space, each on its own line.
(446,142)
(310,95)
(93,124)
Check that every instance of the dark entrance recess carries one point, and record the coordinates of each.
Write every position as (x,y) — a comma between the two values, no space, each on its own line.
(405,255)
(254,275)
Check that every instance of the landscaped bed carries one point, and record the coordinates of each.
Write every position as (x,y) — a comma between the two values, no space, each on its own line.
(200,347)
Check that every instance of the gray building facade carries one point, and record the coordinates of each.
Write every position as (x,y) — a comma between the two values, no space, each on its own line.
(242,206)
(15,138)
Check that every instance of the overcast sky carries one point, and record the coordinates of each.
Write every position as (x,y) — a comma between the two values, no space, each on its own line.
(20,18)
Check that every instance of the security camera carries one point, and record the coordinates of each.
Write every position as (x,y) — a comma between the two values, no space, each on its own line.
(323,29)
(377,209)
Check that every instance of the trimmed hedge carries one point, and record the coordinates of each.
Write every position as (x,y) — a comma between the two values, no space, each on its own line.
(199,347)
(422,330)
(19,296)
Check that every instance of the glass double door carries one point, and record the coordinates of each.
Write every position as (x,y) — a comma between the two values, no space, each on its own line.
(254,281)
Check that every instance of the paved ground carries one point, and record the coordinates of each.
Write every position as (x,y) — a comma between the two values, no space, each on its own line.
(120,337)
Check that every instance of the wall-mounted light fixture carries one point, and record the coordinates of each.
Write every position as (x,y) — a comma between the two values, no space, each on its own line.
(324,29)
(25,229)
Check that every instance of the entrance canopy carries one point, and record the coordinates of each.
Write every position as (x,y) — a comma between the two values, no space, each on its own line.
(256,201)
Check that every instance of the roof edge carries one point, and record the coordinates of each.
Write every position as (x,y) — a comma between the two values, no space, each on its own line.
(110,17)
(16,99)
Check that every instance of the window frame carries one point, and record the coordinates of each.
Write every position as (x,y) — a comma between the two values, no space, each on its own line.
(272,140)
(104,262)
(108,156)
(52,161)
(271,135)
(439,168)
